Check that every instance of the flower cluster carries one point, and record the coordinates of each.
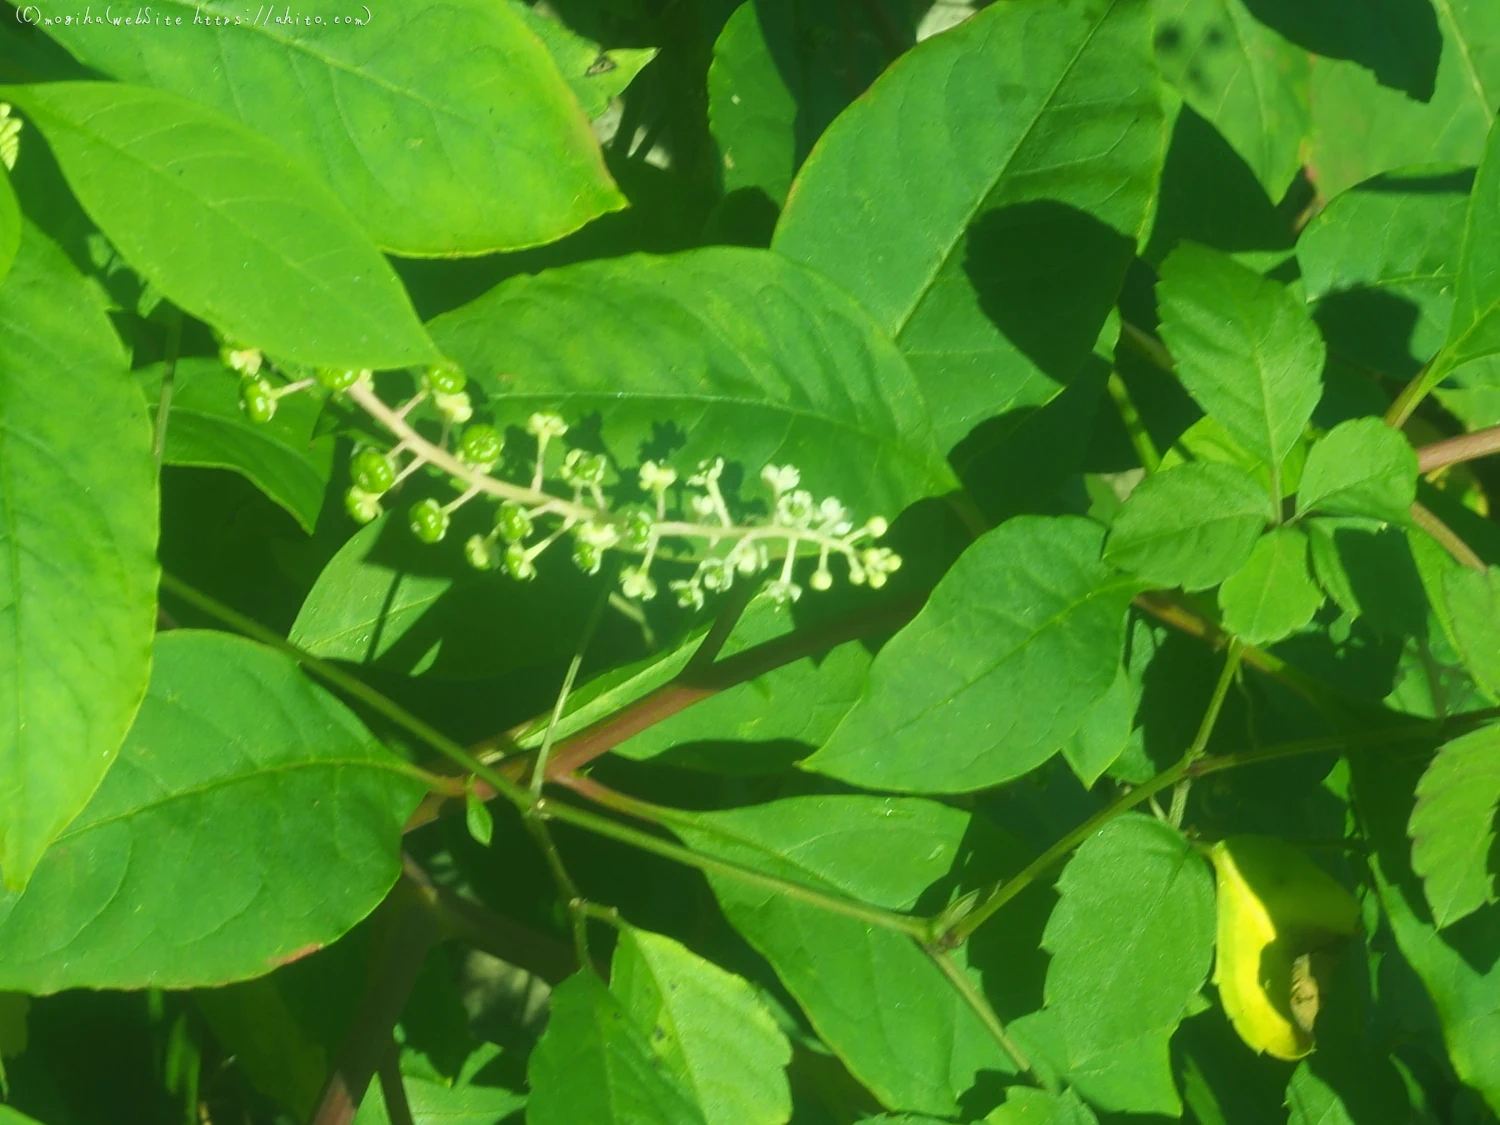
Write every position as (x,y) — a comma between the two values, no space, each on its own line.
(565,496)
(10,136)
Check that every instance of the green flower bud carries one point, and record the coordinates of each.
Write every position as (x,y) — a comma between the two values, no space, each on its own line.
(429,522)
(583,468)
(637,530)
(372,471)
(444,379)
(588,557)
(257,401)
(480,446)
(518,563)
(514,522)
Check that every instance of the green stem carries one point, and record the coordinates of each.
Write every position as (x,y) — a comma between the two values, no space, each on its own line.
(351,686)
(1446,537)
(1413,393)
(1205,730)
(1145,448)
(980,1006)
(577,918)
(603,826)
(539,769)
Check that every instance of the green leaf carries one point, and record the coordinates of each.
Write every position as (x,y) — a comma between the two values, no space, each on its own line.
(745,354)
(437,1103)
(10,1116)
(10,225)
(180,190)
(1105,731)
(885,851)
(1131,940)
(1379,262)
(595,76)
(594,1063)
(1369,572)
(78,572)
(1458,966)
(1360,468)
(782,71)
(1473,604)
(1191,526)
(230,733)
(387,600)
(1474,332)
(708,1028)
(1017,642)
(1246,348)
(1453,825)
(444,127)
(755,726)
(1025,1106)
(1364,123)
(284,457)
(985,197)
(1243,77)
(1273,594)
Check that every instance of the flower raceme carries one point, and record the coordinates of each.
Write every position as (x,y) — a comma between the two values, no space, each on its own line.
(567,496)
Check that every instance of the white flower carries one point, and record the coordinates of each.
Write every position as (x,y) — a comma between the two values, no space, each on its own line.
(795,509)
(708,473)
(636,584)
(703,506)
(455,408)
(657,478)
(783,592)
(689,594)
(596,534)
(716,574)
(748,556)
(781,478)
(481,553)
(246,361)
(544,424)
(833,517)
(879,563)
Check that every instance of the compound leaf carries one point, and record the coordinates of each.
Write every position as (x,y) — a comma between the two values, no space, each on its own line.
(1191,526)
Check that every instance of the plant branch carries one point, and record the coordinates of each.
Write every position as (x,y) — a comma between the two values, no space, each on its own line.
(1433,372)
(1140,438)
(1446,537)
(411,929)
(1454,450)
(393,1087)
(980,1006)
(625,834)
(1205,731)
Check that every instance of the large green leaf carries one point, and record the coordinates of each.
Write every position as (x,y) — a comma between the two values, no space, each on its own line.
(388,600)
(1015,645)
(207,427)
(1026,1106)
(985,197)
(1190,526)
(782,71)
(183,192)
(249,819)
(1273,594)
(1458,966)
(1360,468)
(1379,262)
(711,1032)
(10,225)
(1246,348)
(928,1046)
(444,127)
(1365,124)
(77,550)
(1131,941)
(1453,825)
(717,352)
(594,1063)
(1243,77)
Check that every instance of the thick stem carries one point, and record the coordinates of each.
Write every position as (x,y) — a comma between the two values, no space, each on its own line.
(1454,450)
(393,1087)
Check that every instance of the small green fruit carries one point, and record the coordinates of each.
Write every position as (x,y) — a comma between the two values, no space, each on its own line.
(428,521)
(372,472)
